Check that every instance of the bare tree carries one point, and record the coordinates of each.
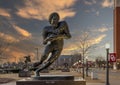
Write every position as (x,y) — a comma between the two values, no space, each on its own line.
(85,45)
(100,61)
(76,57)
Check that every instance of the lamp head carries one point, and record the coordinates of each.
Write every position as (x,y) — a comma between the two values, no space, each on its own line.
(107,45)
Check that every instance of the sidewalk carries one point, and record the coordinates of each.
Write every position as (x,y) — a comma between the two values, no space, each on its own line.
(95,83)
(14,83)
(89,81)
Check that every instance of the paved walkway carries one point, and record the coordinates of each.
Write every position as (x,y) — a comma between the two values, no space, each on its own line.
(11,83)
(94,83)
(14,83)
(77,74)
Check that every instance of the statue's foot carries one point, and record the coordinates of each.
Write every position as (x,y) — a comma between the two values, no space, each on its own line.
(33,68)
(37,74)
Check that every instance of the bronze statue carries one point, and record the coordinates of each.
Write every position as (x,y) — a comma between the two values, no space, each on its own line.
(53,38)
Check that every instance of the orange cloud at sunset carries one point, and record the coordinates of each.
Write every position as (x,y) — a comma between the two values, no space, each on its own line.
(22,32)
(99,39)
(103,29)
(8,38)
(15,54)
(40,9)
(107,3)
(4,13)
(70,49)
(73,47)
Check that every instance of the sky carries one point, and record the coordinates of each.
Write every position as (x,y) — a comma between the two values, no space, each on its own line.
(22,21)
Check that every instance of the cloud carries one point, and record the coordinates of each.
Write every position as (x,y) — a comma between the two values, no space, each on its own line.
(22,32)
(74,46)
(15,54)
(70,49)
(93,10)
(40,9)
(4,13)
(98,39)
(101,29)
(107,3)
(8,38)
(90,2)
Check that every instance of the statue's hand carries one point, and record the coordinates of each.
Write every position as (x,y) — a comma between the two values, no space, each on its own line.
(50,38)
(44,42)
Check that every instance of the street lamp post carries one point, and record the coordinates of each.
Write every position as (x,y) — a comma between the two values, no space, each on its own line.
(107,46)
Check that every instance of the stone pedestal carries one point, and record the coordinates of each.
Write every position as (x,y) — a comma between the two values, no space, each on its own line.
(45,71)
(54,77)
(51,80)
(24,74)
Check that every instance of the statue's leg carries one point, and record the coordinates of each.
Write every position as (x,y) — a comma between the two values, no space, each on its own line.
(44,56)
(53,57)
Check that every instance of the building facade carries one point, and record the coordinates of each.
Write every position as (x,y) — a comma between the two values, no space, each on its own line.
(117,30)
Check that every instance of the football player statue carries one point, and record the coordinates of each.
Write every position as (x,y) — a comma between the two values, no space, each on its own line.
(53,38)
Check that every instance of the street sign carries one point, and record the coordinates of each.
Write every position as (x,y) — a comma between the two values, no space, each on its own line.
(112,57)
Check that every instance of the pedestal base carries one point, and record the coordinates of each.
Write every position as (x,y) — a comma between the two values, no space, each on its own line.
(24,74)
(54,77)
(54,80)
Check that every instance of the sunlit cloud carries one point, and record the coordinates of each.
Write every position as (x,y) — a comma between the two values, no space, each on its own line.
(8,38)
(94,11)
(89,2)
(101,29)
(40,9)
(107,3)
(22,31)
(69,50)
(73,47)
(16,54)
(4,13)
(98,39)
